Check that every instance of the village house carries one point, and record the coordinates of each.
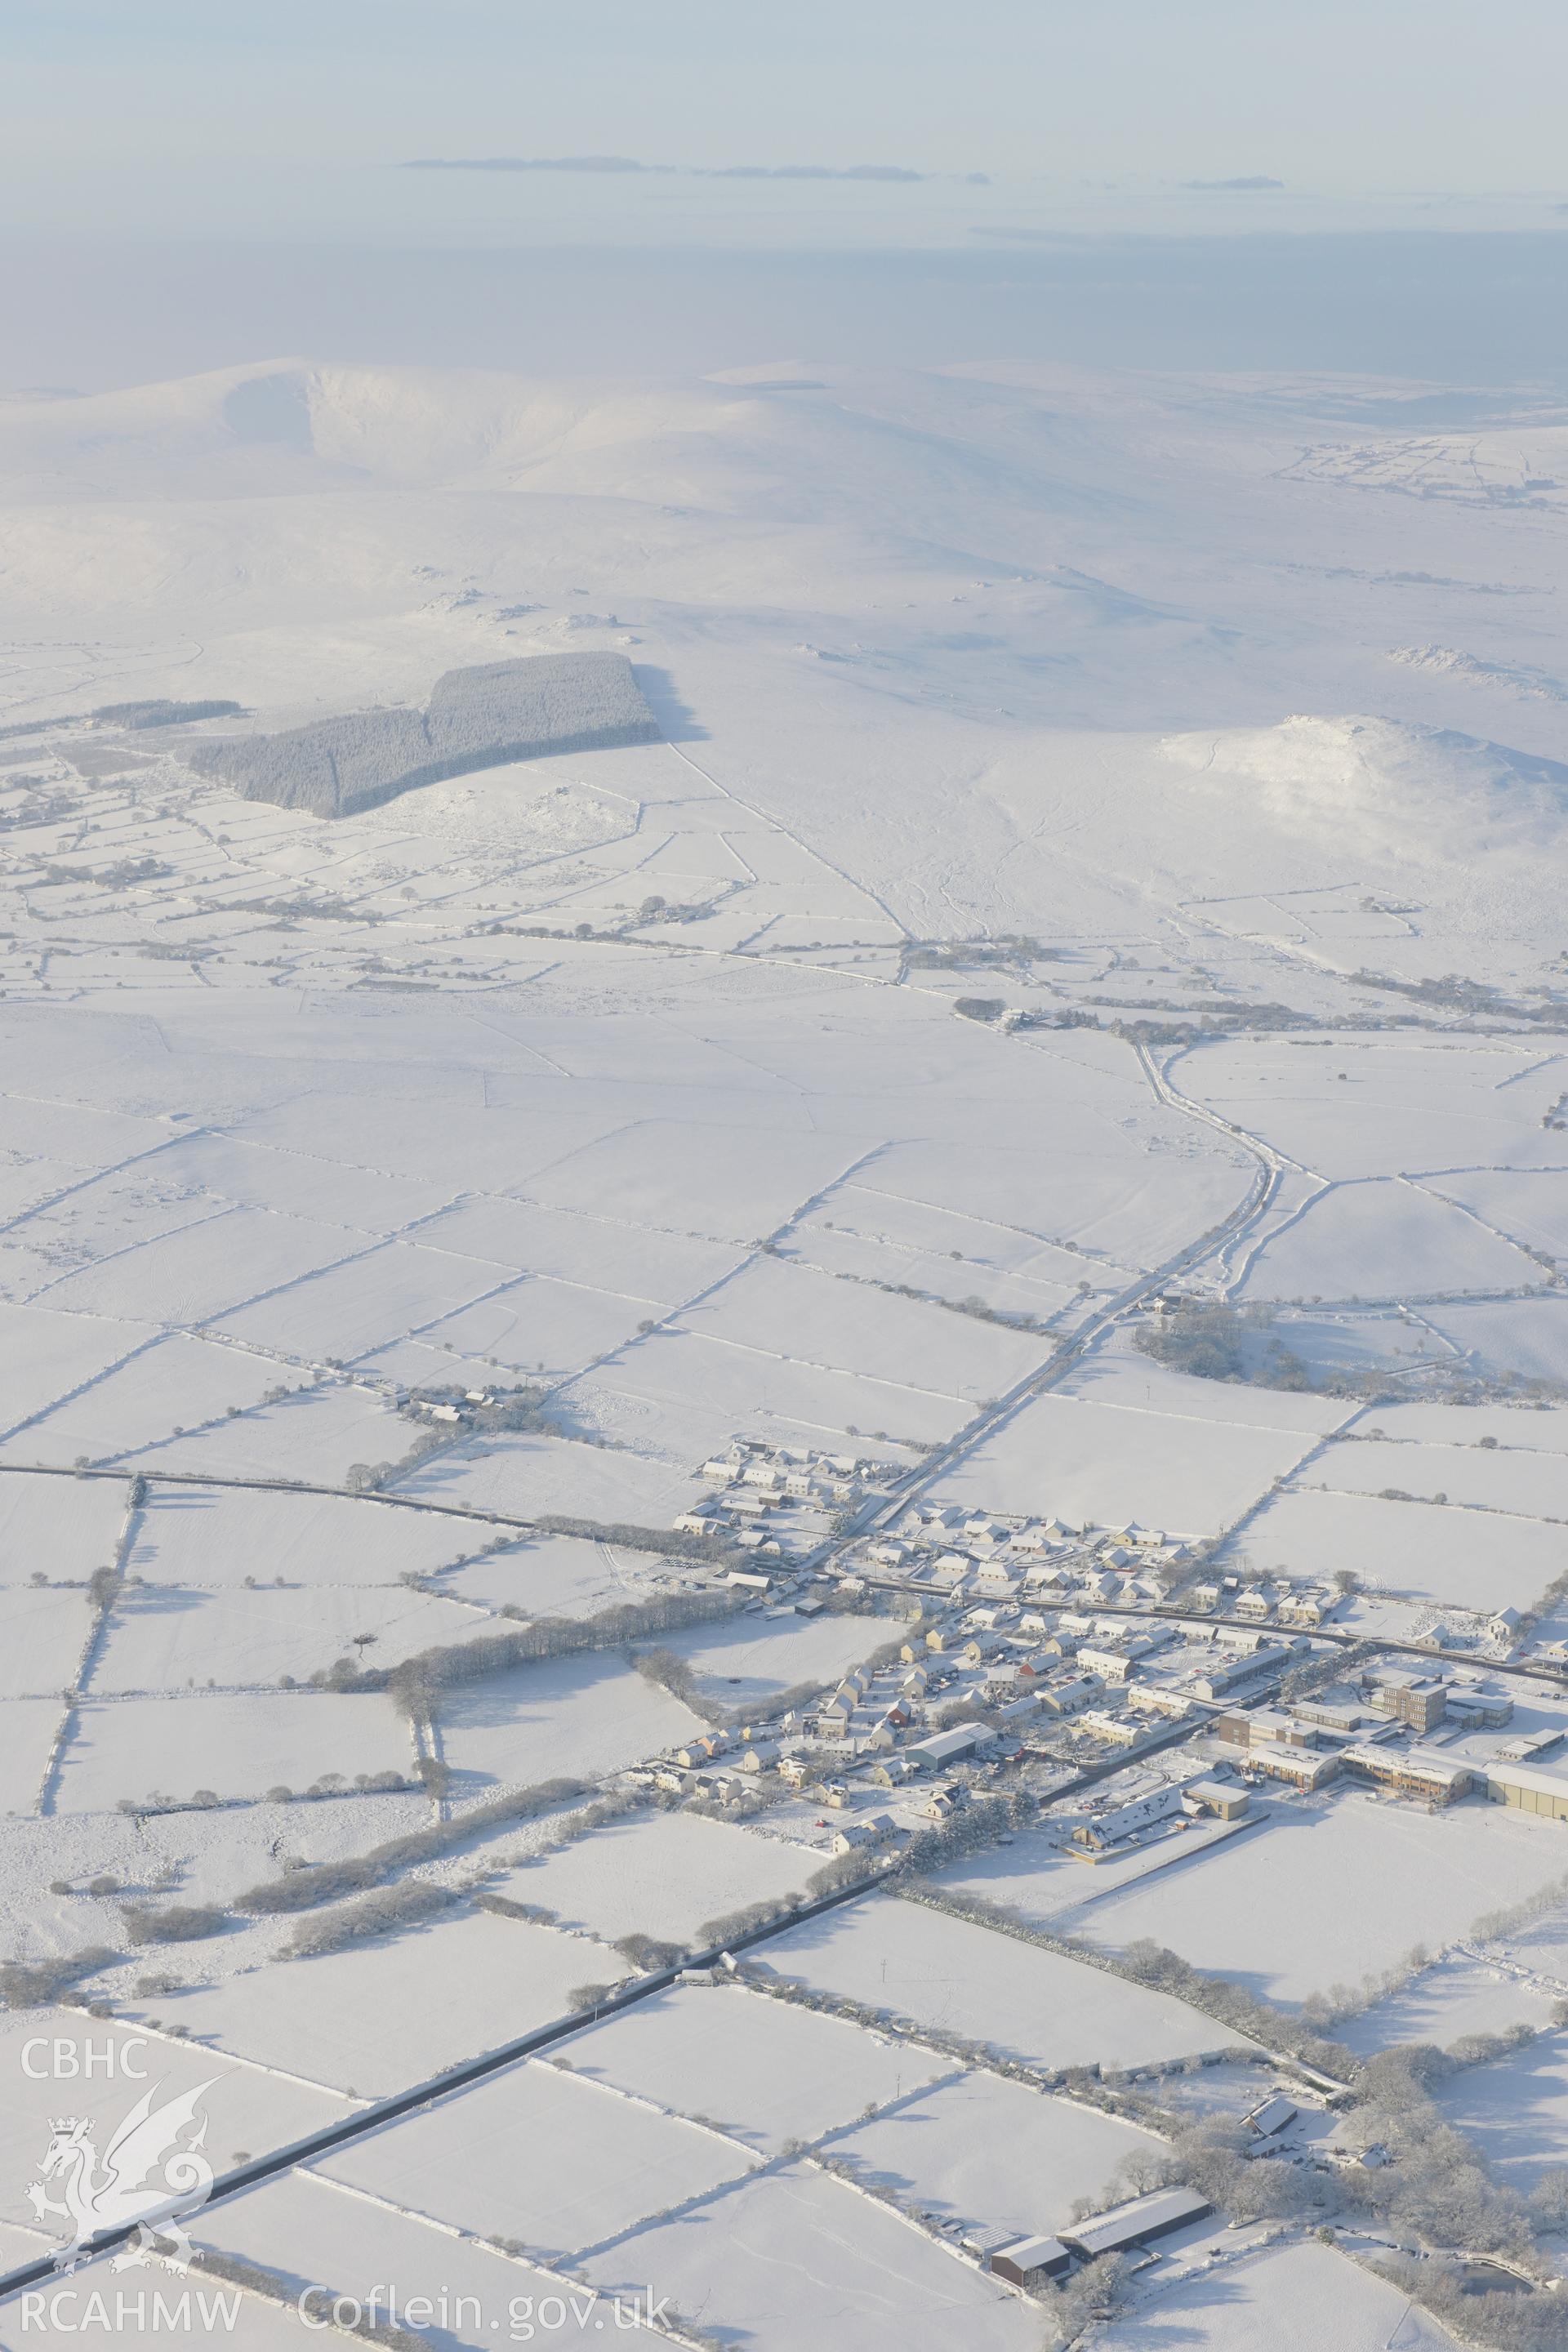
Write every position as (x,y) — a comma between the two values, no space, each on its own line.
(1112,1665)
(859,1836)
(1306,1609)
(1113,1729)
(702,1749)
(1072,1697)
(942,1801)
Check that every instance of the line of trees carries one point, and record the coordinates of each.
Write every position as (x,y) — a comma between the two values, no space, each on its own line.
(1144,1962)
(176,1923)
(33,1984)
(325,1882)
(377,1913)
(416,1682)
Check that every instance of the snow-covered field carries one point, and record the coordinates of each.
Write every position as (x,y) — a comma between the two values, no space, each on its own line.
(1383,1239)
(237,1744)
(1516,2109)
(1078,1460)
(1032,1875)
(28,1730)
(993,2155)
(554,1576)
(1524,1483)
(188,2323)
(660,1875)
(744,1664)
(215,1535)
(312,2232)
(763,2069)
(1468,1559)
(799,2260)
(911,1961)
(42,1637)
(248,2109)
(365,2020)
(167,1636)
(65,1527)
(532,2155)
(1458,1997)
(569,1715)
(1331,1892)
(1293,2299)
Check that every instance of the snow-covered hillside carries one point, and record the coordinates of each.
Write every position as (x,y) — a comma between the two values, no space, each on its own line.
(1084,615)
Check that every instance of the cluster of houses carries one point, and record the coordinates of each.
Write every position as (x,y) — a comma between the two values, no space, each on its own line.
(1018,1656)
(1277,1600)
(1282,1601)
(972,1688)
(717,1766)
(977,1554)
(871,1736)
(778,1501)
(1116,1678)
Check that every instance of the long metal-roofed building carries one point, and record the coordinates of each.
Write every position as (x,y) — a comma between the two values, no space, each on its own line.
(1127,2226)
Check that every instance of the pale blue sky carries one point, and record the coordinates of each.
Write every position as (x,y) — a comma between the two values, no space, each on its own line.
(194,182)
(164,115)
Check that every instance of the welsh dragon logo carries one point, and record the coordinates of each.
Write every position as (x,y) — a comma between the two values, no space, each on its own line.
(149,2176)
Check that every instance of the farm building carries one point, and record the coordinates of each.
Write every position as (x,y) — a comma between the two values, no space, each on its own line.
(1027,2260)
(1129,2226)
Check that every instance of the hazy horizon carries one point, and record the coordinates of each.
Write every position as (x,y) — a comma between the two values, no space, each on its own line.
(1443,308)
